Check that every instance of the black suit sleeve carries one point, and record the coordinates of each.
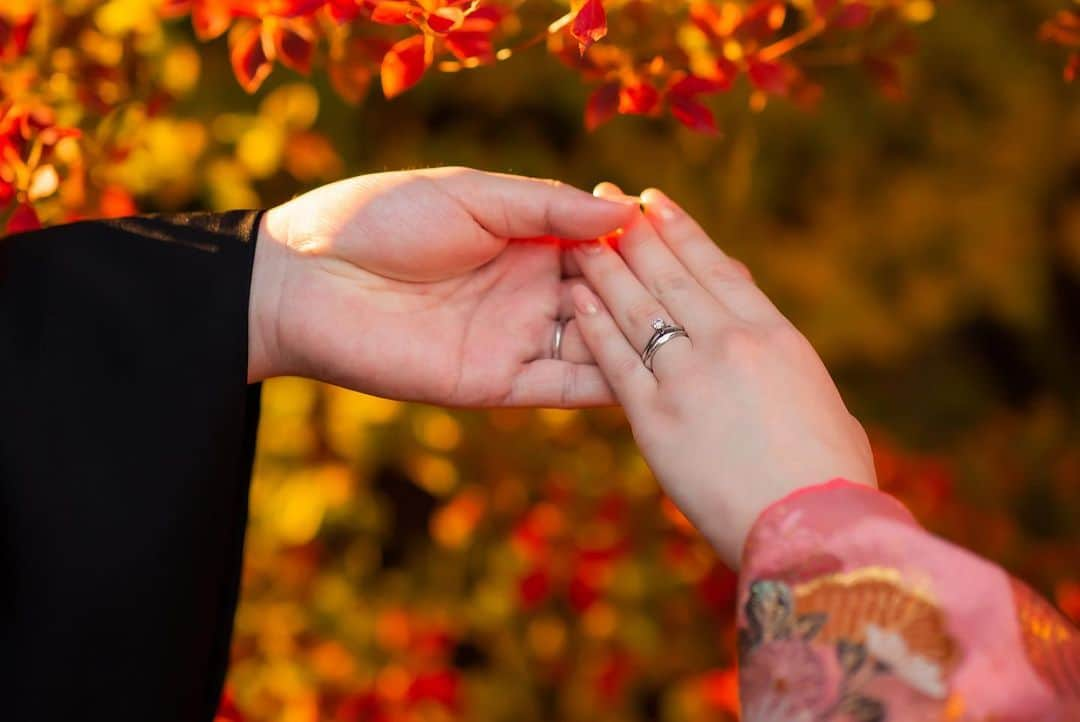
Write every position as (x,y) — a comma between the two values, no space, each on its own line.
(126,440)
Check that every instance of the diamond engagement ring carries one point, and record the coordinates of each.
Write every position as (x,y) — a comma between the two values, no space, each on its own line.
(662,333)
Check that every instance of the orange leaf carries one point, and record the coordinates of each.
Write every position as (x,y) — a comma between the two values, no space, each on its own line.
(403,65)
(289,8)
(24,218)
(394,12)
(691,113)
(174,8)
(210,18)
(117,202)
(720,688)
(590,24)
(351,70)
(249,60)
(601,106)
(639,98)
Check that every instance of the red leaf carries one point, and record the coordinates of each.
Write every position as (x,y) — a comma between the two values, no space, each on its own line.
(725,73)
(639,98)
(403,65)
(295,46)
(581,594)
(590,24)
(534,588)
(249,61)
(394,12)
(767,75)
(601,106)
(1072,69)
(485,18)
(343,11)
(853,15)
(24,218)
(692,85)
(468,44)
(441,686)
(444,20)
(759,19)
(15,36)
(886,77)
(7,192)
(692,114)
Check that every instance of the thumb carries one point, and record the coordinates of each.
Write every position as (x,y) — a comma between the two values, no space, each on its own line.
(517,207)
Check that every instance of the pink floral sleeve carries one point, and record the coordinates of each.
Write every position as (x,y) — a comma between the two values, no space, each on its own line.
(850,611)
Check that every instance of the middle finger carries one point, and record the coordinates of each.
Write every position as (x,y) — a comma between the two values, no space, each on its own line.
(661,273)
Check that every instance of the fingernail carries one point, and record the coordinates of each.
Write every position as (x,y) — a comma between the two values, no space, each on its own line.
(584,300)
(590,247)
(656,202)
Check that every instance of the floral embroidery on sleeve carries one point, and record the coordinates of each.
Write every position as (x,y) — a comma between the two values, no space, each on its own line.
(845,646)
(1052,645)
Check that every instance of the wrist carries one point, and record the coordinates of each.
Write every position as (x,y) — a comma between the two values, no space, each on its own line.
(264,304)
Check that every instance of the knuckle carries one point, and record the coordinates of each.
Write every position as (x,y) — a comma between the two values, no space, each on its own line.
(786,338)
(454,171)
(625,368)
(725,272)
(743,269)
(553,183)
(741,344)
(670,284)
(643,312)
(569,386)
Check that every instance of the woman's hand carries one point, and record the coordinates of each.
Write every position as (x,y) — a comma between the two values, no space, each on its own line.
(738,415)
(406,285)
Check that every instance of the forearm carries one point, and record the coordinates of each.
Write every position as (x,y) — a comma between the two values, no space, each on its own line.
(848,607)
(126,442)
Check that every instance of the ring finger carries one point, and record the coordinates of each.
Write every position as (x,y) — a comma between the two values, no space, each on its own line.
(632,306)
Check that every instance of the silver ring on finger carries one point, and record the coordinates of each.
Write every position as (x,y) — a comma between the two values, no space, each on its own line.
(556,341)
(662,333)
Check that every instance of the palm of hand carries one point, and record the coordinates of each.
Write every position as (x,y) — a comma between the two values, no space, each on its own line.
(397,289)
(466,340)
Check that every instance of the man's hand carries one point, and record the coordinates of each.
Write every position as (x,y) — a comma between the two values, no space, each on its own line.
(408,285)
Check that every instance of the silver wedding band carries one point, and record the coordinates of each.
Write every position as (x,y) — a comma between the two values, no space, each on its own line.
(556,342)
(662,333)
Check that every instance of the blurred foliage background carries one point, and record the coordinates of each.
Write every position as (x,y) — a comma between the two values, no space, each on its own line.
(412,563)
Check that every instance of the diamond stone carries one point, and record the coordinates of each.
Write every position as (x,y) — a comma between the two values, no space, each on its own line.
(658,324)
